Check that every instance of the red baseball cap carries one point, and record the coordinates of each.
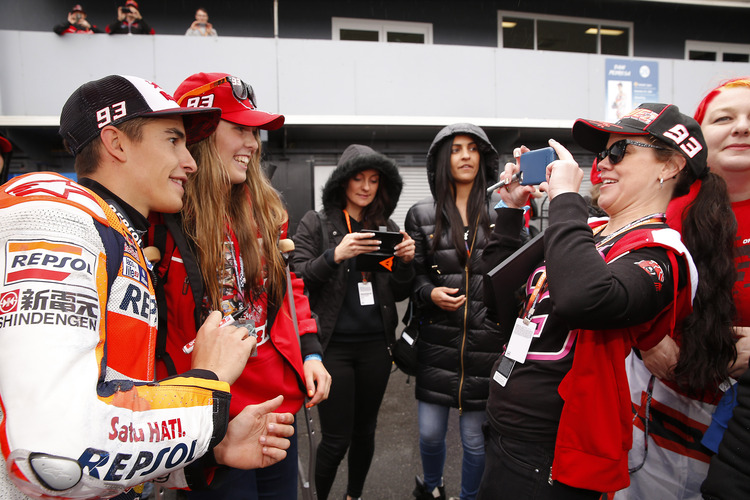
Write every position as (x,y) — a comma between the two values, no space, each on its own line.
(132,2)
(5,145)
(235,98)
(77,8)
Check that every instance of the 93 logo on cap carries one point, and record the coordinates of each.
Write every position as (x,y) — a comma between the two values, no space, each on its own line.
(203,101)
(107,115)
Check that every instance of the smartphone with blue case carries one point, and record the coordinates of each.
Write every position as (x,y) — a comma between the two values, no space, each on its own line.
(534,165)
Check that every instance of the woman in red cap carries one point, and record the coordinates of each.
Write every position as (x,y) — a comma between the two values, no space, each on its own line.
(559,411)
(227,258)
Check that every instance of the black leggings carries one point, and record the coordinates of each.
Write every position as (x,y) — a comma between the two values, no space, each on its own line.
(348,418)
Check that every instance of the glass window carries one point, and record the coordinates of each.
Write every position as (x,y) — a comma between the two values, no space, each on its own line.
(518,33)
(615,40)
(702,55)
(394,36)
(716,51)
(374,30)
(361,35)
(729,57)
(567,37)
(521,30)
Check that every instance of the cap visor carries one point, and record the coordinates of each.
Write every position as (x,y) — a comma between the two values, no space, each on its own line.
(199,122)
(255,118)
(593,135)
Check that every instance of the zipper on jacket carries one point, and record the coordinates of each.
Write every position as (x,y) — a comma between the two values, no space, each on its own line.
(463,339)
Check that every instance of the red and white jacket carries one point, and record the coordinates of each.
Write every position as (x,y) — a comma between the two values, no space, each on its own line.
(82,414)
(596,425)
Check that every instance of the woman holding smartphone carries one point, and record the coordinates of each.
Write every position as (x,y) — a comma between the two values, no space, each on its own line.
(356,309)
(457,341)
(559,412)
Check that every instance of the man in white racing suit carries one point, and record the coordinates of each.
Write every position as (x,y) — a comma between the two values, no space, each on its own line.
(81,414)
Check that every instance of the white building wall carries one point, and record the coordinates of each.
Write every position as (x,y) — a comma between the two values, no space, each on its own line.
(333,82)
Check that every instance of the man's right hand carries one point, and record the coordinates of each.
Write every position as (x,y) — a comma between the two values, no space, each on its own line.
(256,437)
(224,350)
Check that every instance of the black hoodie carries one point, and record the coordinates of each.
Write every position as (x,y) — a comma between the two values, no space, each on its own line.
(327,282)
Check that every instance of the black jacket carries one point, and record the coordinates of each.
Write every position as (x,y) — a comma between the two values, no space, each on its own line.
(326,281)
(456,349)
(729,472)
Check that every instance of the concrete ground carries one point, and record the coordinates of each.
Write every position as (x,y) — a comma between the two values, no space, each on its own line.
(396,459)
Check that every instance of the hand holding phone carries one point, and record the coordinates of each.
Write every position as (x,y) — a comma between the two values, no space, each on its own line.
(533,165)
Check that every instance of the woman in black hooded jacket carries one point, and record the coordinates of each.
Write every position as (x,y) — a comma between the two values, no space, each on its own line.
(458,343)
(356,310)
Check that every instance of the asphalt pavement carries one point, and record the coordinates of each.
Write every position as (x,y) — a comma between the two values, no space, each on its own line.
(396,459)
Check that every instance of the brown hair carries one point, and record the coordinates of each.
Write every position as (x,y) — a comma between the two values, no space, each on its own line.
(253,209)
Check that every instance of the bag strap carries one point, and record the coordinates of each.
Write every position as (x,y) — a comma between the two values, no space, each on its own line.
(160,242)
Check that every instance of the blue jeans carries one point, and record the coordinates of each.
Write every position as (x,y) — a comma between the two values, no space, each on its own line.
(277,482)
(433,427)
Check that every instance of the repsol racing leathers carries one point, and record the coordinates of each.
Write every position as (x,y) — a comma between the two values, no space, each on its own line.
(82,416)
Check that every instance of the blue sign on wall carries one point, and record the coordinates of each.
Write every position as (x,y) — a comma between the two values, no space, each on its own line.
(629,83)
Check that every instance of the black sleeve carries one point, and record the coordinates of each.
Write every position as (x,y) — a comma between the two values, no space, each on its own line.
(307,259)
(60,28)
(402,277)
(729,473)
(587,291)
(423,285)
(504,239)
(145,28)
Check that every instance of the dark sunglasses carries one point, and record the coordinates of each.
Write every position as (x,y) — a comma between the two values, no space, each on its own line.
(616,152)
(240,89)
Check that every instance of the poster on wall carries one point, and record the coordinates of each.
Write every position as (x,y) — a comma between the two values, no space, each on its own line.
(630,83)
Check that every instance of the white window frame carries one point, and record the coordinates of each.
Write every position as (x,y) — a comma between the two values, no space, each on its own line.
(718,47)
(381,26)
(566,19)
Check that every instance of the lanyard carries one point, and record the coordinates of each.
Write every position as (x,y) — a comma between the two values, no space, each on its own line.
(541,284)
(349,226)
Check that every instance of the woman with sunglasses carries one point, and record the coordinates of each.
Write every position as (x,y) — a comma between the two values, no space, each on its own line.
(227,259)
(560,419)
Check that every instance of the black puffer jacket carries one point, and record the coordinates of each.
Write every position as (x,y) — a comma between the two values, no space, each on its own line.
(456,349)
(324,279)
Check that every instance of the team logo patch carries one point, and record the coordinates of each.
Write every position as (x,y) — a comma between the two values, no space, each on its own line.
(643,115)
(654,269)
(134,271)
(9,302)
(45,261)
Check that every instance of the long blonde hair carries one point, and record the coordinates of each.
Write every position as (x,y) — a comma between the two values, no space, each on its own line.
(253,209)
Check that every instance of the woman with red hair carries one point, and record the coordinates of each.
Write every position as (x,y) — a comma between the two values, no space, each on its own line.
(674,426)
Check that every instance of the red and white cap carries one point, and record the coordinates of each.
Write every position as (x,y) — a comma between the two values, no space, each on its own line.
(5,145)
(235,98)
(116,99)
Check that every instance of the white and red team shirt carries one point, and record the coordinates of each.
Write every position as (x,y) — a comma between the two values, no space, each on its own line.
(81,414)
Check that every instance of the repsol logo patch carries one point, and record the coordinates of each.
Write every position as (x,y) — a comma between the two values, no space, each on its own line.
(46,261)
(107,466)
